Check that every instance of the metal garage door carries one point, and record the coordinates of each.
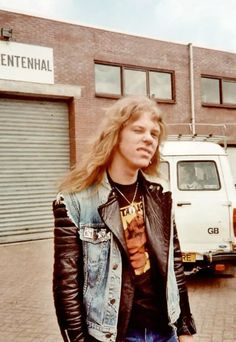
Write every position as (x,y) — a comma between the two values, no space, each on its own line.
(34,155)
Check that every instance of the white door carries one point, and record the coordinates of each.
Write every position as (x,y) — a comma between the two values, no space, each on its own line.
(201,206)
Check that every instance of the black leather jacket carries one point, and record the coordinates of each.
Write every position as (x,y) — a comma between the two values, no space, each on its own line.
(68,274)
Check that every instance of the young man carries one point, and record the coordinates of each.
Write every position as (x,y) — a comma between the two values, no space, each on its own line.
(118,273)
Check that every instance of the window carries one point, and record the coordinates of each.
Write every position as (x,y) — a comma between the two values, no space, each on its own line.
(160,85)
(197,175)
(218,91)
(107,79)
(229,92)
(119,80)
(134,82)
(164,171)
(210,90)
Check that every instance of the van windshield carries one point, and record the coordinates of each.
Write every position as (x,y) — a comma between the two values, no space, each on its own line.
(197,175)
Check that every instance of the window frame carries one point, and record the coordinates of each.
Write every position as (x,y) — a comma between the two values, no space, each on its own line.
(221,79)
(137,68)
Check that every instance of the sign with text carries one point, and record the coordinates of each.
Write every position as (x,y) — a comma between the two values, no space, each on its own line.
(24,62)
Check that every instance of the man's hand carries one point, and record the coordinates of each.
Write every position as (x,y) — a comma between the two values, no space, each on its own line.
(185,338)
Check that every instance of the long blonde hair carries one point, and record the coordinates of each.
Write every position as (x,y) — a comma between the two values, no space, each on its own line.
(100,152)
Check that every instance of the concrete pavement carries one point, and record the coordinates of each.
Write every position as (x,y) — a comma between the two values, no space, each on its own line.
(26,303)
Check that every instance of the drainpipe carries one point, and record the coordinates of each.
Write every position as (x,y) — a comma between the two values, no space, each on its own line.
(193,121)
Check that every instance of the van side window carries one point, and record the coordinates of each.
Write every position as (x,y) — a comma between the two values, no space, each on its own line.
(197,175)
(164,171)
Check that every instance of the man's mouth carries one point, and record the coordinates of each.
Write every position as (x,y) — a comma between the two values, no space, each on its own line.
(144,149)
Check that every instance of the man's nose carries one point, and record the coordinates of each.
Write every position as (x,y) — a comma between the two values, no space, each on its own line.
(148,138)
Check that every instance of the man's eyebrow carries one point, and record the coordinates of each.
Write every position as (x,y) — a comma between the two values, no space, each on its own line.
(138,126)
(156,130)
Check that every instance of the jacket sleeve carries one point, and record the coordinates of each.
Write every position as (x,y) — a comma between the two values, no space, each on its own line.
(68,276)
(185,324)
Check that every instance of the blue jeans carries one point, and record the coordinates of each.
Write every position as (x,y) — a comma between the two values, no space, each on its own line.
(147,335)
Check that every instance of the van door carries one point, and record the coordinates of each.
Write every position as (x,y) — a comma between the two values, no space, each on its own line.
(202,208)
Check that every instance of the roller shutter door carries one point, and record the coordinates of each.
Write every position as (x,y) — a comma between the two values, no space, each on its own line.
(34,155)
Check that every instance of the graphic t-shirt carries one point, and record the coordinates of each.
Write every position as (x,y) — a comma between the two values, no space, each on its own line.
(149,305)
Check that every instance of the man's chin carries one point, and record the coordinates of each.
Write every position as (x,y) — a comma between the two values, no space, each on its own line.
(144,165)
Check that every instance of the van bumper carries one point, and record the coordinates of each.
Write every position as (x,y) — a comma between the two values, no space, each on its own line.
(211,261)
(227,257)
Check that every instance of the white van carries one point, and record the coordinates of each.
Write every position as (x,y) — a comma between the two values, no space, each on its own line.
(204,199)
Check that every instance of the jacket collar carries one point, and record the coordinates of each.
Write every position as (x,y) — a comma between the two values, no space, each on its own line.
(109,210)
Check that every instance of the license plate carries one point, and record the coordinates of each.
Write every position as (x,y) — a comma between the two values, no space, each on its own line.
(189,257)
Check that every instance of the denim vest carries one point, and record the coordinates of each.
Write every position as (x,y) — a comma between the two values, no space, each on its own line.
(102,262)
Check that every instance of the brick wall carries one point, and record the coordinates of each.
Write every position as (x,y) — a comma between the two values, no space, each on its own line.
(76,47)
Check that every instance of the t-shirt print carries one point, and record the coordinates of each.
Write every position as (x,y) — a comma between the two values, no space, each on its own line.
(135,235)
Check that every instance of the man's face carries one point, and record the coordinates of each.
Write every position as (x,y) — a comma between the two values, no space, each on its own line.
(138,142)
